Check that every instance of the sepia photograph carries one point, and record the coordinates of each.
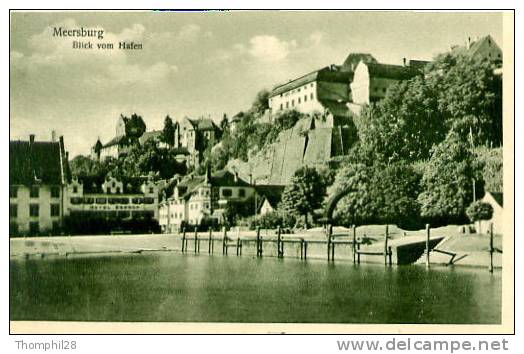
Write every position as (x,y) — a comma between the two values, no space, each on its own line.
(290,169)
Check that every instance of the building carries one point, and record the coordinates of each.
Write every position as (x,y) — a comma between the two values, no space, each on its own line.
(194,136)
(496,201)
(199,199)
(371,80)
(38,173)
(111,197)
(269,196)
(116,146)
(325,91)
(484,48)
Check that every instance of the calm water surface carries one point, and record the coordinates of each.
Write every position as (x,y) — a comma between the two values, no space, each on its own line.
(176,287)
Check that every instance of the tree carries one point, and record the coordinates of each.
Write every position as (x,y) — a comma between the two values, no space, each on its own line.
(478,211)
(305,193)
(404,125)
(168,133)
(135,127)
(261,102)
(447,182)
(357,207)
(469,96)
(384,194)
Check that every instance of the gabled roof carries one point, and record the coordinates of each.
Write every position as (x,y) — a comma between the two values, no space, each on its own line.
(36,162)
(353,59)
(117,140)
(389,71)
(271,193)
(499,197)
(222,178)
(93,184)
(149,135)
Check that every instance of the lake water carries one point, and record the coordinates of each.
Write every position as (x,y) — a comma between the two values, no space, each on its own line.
(176,287)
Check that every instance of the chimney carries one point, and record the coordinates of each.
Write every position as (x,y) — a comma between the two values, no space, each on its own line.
(53,136)
(31,139)
(404,61)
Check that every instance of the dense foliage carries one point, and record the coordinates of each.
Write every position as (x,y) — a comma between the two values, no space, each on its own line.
(304,194)
(479,210)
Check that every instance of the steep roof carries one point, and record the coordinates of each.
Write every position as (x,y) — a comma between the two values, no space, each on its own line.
(149,135)
(93,184)
(353,59)
(271,193)
(499,197)
(329,73)
(117,140)
(222,178)
(390,71)
(39,161)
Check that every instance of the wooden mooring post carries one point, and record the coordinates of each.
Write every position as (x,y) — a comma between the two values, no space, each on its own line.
(491,250)
(427,244)
(196,241)
(358,253)
(210,241)
(280,252)
(259,243)
(354,243)
(386,237)
(224,241)
(183,239)
(329,232)
(390,256)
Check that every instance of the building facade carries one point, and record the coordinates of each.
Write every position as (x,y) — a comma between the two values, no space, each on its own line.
(111,197)
(372,80)
(194,136)
(38,173)
(199,199)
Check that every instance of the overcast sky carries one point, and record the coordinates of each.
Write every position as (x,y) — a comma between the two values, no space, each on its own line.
(197,63)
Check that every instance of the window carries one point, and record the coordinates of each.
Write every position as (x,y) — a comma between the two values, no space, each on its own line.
(281,106)
(241,192)
(55,192)
(76,200)
(34,227)
(311,85)
(206,205)
(13,228)
(151,190)
(227,192)
(35,191)
(13,210)
(299,100)
(305,98)
(13,191)
(75,189)
(101,200)
(117,190)
(56,226)
(287,104)
(34,209)
(311,96)
(55,209)
(292,103)
(149,200)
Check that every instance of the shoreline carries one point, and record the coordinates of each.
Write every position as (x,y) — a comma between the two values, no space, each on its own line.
(36,248)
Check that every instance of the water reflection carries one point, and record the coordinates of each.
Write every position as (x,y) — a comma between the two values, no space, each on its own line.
(175,287)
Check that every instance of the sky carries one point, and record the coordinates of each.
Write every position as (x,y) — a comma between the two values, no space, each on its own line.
(197,63)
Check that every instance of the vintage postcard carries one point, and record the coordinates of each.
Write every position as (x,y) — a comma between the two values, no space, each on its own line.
(261,172)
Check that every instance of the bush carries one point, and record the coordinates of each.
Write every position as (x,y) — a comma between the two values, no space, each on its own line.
(479,210)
